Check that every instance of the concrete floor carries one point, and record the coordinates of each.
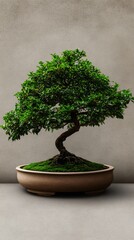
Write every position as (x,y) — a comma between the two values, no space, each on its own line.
(25,216)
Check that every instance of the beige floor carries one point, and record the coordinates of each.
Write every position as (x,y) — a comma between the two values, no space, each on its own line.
(25,216)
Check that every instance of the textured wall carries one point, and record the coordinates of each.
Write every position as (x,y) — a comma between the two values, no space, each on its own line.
(32,29)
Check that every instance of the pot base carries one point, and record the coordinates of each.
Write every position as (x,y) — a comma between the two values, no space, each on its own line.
(50,194)
(40,193)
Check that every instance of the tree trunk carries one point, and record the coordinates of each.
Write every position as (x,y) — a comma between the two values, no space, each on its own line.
(59,141)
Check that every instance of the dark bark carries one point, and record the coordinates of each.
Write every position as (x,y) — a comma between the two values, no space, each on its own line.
(59,141)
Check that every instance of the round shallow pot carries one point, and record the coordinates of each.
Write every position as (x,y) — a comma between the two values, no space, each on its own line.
(48,183)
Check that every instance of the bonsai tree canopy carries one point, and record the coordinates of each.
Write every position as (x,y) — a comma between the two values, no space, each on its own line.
(66,91)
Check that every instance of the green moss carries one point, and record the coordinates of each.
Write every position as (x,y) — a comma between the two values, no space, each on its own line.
(49,166)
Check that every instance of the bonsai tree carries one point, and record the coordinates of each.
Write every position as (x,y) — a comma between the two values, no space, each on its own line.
(66,91)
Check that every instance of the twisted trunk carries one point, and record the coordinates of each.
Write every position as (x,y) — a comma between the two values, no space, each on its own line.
(59,141)
(64,154)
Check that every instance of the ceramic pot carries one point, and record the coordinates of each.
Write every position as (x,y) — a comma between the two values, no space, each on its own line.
(49,183)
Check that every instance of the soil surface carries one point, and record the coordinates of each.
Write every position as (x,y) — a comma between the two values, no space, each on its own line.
(65,162)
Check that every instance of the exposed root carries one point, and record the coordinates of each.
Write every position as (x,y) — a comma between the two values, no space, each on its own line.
(67,157)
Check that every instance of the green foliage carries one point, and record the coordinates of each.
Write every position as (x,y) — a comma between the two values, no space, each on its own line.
(67,82)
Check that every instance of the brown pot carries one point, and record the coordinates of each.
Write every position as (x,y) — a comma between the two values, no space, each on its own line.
(48,183)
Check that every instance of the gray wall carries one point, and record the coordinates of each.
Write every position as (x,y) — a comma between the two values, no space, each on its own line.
(32,29)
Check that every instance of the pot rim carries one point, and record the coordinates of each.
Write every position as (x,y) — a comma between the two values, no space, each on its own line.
(19,168)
